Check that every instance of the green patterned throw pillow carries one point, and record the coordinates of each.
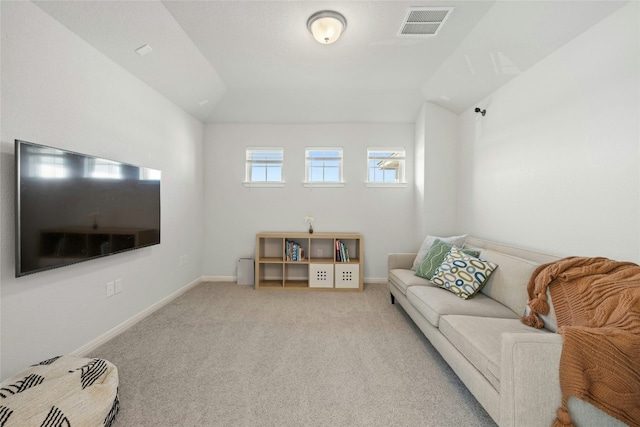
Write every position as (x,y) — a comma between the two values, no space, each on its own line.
(463,274)
(435,256)
(428,242)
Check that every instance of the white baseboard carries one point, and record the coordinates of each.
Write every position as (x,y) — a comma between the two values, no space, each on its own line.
(112,333)
(219,279)
(233,279)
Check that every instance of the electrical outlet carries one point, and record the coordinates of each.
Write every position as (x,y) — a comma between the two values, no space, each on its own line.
(319,253)
(110,289)
(184,260)
(118,286)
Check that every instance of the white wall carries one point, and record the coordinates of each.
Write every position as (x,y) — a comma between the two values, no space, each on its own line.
(554,165)
(436,158)
(57,90)
(234,214)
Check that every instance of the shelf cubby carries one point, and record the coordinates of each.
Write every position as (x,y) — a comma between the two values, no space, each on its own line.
(322,250)
(296,275)
(271,249)
(353,247)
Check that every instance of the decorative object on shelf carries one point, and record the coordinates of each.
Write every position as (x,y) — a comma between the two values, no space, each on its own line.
(326,26)
(309,220)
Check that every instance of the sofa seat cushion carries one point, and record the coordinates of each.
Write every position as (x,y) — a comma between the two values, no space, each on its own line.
(433,302)
(402,279)
(479,340)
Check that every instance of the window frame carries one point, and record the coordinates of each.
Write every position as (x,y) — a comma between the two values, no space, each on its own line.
(402,168)
(327,184)
(249,167)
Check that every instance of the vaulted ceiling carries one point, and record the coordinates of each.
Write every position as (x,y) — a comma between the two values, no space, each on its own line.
(255,61)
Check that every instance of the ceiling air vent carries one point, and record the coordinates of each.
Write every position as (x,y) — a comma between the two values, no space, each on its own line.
(424,21)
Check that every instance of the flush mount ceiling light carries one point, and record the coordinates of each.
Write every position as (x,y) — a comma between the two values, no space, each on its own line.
(326,26)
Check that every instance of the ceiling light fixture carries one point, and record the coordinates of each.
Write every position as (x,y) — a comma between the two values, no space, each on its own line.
(326,26)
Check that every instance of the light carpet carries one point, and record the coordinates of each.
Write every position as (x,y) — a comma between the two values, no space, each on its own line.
(226,355)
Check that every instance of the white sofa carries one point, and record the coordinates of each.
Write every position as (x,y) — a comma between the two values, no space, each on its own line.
(510,368)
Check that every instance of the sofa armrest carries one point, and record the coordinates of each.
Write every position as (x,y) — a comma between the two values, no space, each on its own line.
(400,260)
(529,379)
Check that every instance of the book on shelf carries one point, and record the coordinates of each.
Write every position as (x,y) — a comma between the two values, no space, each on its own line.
(293,251)
(342,252)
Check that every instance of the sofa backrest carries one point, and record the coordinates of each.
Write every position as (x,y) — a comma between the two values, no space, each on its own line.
(508,283)
(539,257)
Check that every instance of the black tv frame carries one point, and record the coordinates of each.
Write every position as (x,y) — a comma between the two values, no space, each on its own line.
(123,234)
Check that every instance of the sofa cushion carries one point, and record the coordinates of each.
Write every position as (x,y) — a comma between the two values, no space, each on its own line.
(508,284)
(433,302)
(479,340)
(402,279)
(436,256)
(463,274)
(428,242)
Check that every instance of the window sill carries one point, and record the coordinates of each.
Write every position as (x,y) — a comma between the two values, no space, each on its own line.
(386,185)
(263,184)
(323,184)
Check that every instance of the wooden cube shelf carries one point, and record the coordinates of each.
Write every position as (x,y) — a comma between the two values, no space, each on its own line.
(318,261)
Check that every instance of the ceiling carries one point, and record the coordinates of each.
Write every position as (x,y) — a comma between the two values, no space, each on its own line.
(255,61)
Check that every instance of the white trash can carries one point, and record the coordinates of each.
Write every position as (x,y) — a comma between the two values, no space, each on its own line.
(245,271)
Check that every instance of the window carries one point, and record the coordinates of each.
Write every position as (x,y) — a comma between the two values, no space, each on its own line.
(51,163)
(385,166)
(264,166)
(102,168)
(323,166)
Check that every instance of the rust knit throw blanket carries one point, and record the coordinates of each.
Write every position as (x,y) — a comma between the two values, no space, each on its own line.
(597,305)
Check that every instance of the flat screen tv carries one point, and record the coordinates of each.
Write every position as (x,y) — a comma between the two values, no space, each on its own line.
(72,207)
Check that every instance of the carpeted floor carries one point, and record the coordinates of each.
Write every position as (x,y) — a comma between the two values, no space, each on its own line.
(227,355)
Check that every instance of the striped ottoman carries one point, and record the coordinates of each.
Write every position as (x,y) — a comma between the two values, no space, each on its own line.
(64,391)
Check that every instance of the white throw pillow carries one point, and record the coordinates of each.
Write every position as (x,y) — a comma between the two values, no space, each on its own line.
(456,241)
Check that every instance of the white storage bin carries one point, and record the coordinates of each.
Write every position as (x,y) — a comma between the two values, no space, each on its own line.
(347,276)
(321,275)
(245,273)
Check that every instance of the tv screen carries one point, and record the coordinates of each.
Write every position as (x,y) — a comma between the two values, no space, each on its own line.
(73,207)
